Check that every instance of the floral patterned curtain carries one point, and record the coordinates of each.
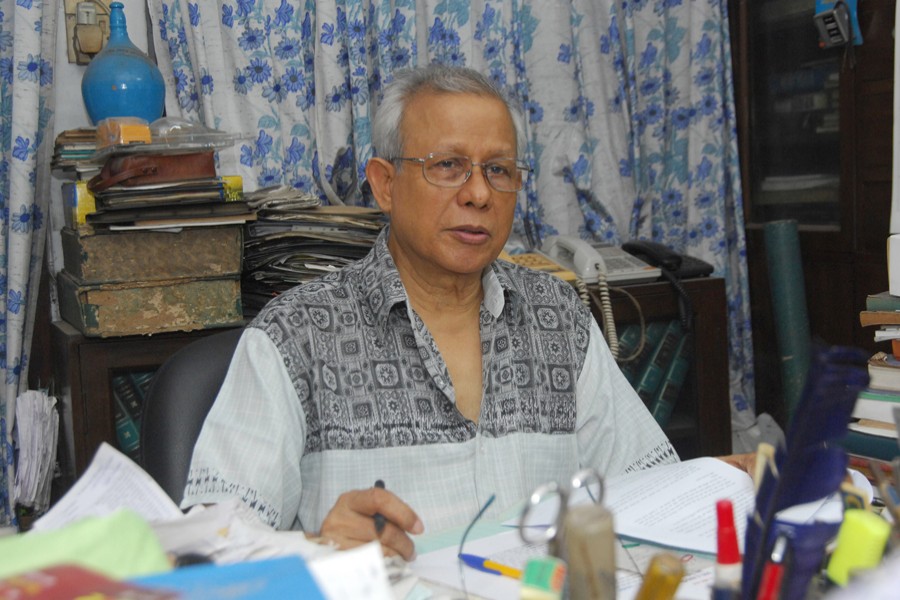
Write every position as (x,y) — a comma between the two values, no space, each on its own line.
(27,52)
(629,106)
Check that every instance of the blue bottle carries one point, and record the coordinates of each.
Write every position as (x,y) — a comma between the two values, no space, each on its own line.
(122,81)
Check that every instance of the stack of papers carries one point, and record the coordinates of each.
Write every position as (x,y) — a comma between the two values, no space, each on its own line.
(226,534)
(37,429)
(294,240)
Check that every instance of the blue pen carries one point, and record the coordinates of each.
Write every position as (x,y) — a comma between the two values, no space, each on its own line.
(486,565)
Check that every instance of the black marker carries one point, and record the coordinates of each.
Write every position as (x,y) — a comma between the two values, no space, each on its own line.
(379,518)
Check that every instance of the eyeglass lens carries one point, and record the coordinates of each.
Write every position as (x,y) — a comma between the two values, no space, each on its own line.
(452,171)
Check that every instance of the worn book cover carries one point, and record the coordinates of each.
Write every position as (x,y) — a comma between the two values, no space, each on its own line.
(147,307)
(120,256)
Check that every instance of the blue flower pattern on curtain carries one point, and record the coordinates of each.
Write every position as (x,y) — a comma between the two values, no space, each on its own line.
(27,51)
(629,110)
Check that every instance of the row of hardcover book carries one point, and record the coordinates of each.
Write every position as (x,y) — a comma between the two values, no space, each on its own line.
(656,362)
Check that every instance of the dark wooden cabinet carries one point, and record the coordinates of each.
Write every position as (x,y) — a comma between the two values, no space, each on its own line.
(84,368)
(701,422)
(843,245)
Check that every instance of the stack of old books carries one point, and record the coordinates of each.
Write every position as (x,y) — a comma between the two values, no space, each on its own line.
(295,239)
(145,254)
(873,432)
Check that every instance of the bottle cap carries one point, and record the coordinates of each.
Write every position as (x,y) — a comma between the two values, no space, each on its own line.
(728,552)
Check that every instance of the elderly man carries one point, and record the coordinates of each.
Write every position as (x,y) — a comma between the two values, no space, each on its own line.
(429,364)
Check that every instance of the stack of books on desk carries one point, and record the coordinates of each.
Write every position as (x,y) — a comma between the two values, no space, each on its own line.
(873,432)
(883,311)
(294,239)
(174,276)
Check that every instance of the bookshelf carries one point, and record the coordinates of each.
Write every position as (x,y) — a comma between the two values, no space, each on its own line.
(701,422)
(843,240)
(86,369)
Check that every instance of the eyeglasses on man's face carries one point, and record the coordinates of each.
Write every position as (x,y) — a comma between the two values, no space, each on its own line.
(452,170)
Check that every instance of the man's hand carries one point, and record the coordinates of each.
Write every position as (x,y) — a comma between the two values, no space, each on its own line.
(745,462)
(351,522)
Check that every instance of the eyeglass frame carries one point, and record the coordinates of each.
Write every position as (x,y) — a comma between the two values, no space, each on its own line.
(520,166)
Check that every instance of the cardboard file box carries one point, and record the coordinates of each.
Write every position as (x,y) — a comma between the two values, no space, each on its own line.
(146,255)
(147,307)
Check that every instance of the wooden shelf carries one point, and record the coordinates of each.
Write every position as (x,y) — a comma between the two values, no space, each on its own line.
(701,422)
(84,367)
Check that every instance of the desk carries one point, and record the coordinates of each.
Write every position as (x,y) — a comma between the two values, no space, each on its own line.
(701,423)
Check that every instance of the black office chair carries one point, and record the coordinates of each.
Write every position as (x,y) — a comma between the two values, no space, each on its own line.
(179,398)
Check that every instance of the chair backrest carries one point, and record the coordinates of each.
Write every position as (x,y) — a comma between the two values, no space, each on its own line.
(180,396)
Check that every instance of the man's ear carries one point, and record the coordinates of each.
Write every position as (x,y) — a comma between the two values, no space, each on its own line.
(380,175)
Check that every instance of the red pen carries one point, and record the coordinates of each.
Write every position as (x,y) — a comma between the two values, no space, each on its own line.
(770,584)
(727,583)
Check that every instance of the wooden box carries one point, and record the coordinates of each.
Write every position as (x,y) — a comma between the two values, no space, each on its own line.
(148,255)
(147,307)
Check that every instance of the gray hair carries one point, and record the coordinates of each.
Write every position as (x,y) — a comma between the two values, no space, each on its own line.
(441,79)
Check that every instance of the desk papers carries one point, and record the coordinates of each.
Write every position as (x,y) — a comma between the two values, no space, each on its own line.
(225,532)
(37,428)
(669,507)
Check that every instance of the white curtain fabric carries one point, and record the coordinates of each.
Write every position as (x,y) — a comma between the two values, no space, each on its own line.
(629,105)
(27,52)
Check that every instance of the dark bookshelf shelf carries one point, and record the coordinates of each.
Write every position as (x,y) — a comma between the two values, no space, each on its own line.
(701,422)
(88,367)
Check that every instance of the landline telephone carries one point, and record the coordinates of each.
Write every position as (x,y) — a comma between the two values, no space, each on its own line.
(579,262)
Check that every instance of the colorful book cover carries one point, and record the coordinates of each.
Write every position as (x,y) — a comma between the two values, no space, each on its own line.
(286,577)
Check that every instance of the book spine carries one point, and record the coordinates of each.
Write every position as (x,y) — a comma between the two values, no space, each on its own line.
(675,376)
(132,401)
(141,381)
(652,375)
(127,431)
(878,410)
(869,446)
(882,302)
(629,340)
(652,334)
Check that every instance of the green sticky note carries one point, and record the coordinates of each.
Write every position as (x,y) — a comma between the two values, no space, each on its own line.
(120,545)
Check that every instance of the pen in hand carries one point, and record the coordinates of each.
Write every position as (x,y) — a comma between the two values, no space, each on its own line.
(379,518)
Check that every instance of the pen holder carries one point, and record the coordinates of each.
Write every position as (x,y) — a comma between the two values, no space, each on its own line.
(805,554)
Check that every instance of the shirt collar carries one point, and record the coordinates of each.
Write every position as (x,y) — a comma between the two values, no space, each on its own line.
(385,288)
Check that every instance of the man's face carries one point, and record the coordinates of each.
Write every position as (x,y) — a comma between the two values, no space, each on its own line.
(437,230)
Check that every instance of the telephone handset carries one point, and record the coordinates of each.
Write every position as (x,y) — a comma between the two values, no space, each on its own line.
(675,267)
(588,260)
(681,266)
(575,255)
(599,265)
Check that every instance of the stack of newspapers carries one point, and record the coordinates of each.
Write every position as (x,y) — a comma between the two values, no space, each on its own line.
(295,239)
